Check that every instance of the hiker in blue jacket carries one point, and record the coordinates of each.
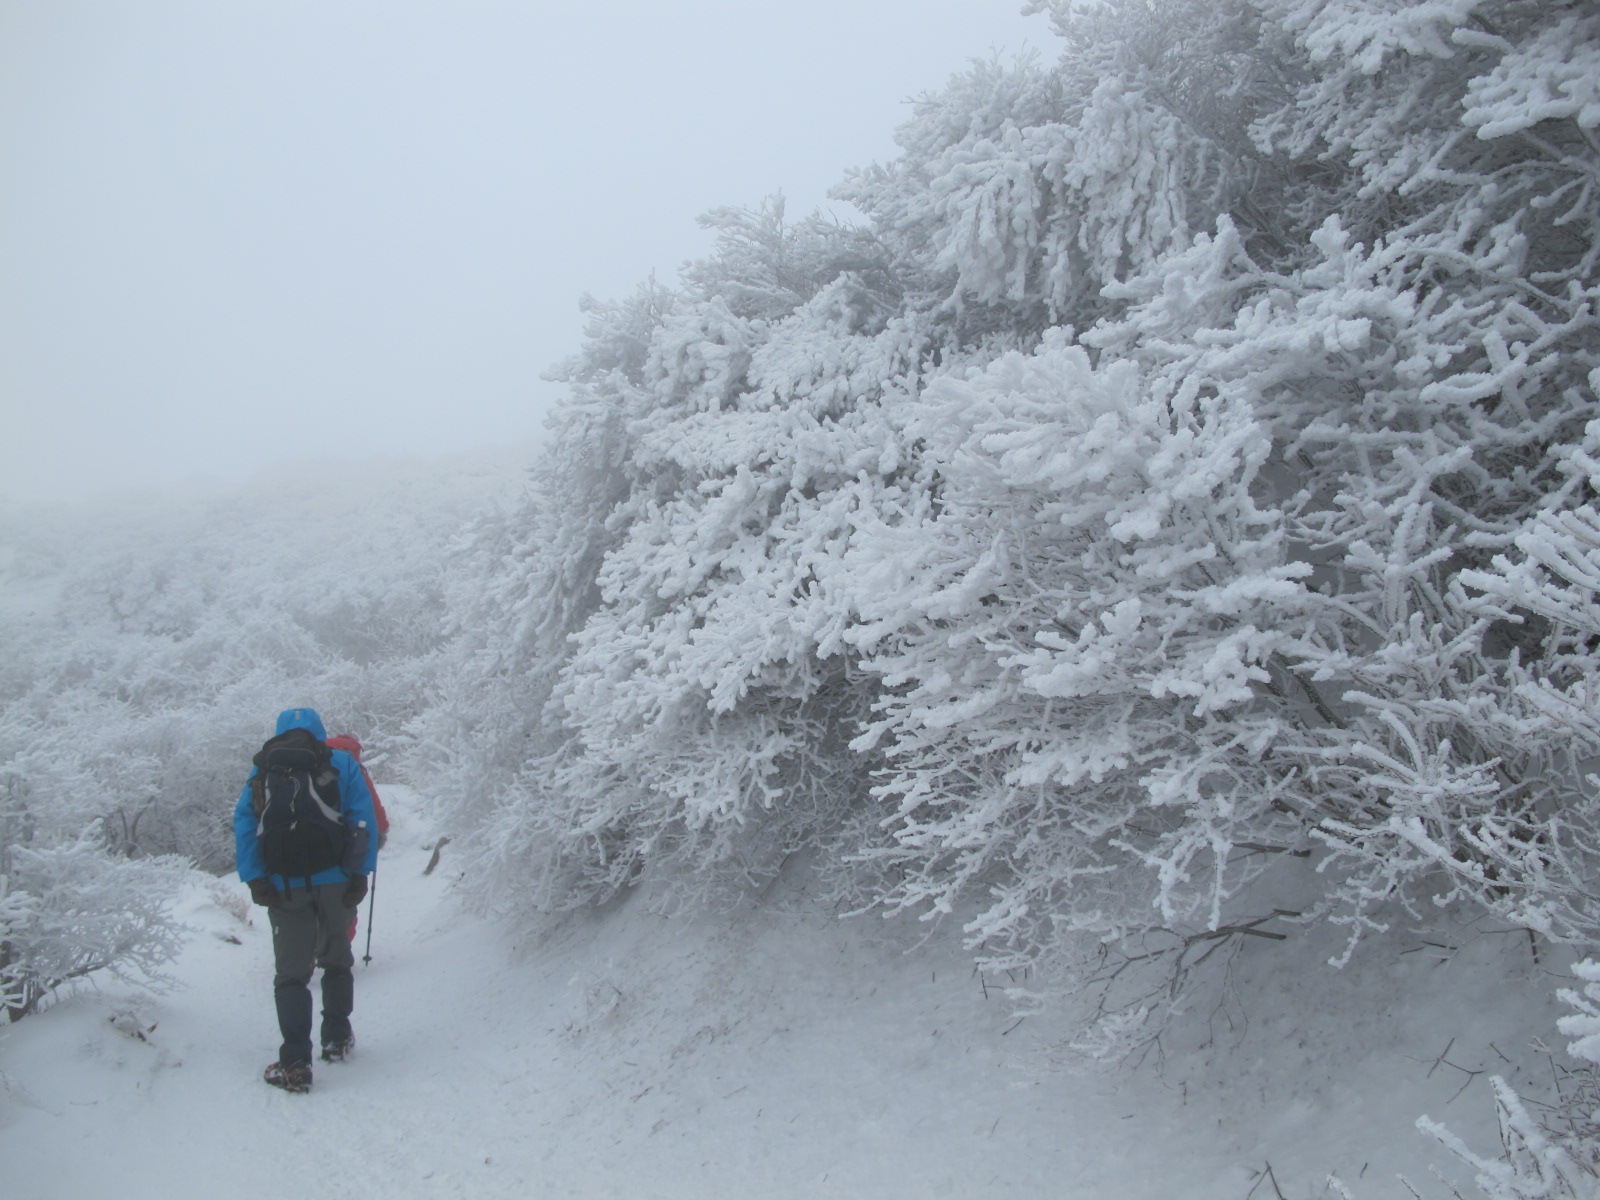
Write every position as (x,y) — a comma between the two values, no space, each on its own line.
(305,842)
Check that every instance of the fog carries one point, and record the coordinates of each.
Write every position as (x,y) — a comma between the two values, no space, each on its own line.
(235,234)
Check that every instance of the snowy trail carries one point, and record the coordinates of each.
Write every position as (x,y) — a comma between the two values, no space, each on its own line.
(771,1055)
(424,1103)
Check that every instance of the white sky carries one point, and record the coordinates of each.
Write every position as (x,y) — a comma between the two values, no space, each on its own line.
(234,231)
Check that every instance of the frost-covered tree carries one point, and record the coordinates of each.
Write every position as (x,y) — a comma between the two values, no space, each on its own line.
(1183,463)
(1071,635)
(660,692)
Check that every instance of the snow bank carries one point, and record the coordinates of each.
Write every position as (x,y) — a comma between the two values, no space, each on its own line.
(776,1051)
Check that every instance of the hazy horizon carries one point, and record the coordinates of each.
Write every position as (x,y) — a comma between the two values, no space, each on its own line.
(238,236)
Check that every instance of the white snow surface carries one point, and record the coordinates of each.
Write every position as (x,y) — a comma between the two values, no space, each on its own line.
(772,1052)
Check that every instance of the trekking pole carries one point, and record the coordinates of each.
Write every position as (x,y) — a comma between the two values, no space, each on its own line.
(372,901)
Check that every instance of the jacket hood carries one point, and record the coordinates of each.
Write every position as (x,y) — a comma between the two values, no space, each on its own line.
(302,718)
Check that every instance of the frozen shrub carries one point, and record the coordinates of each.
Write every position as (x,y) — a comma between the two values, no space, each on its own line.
(69,909)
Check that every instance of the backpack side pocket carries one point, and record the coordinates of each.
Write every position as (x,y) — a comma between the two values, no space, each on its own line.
(356,842)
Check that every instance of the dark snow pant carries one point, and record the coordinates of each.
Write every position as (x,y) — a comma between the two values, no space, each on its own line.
(309,930)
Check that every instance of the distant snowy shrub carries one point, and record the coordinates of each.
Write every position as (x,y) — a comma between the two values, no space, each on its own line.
(68,908)
(146,655)
(151,658)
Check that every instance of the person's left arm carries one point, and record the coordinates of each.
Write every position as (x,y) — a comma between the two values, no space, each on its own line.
(356,801)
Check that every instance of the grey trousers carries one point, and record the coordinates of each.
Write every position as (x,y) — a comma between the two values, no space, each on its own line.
(311,929)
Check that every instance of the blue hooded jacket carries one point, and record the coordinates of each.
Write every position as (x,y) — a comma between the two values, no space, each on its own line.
(355,801)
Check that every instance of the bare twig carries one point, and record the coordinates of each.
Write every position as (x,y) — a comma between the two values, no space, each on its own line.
(1265,1174)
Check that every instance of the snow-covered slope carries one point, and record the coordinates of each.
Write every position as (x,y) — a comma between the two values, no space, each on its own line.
(773,1052)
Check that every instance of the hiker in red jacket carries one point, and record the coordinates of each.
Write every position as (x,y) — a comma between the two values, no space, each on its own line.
(353,748)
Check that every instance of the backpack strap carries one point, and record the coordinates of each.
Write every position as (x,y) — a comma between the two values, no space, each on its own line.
(258,794)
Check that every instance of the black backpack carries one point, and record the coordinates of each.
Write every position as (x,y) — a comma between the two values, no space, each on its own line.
(295,796)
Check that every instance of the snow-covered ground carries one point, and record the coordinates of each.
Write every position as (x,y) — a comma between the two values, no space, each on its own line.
(775,1052)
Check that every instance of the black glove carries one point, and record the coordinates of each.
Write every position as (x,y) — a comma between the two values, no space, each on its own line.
(264,894)
(355,891)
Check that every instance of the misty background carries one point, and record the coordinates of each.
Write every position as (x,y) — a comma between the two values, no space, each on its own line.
(1154,559)
(234,235)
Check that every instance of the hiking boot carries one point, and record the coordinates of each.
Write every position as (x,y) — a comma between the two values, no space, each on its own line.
(338,1051)
(296,1077)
